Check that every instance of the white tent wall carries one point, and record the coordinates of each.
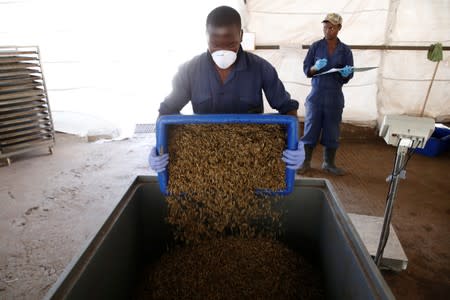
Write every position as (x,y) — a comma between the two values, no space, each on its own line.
(298,22)
(420,22)
(401,82)
(110,63)
(405,80)
(406,75)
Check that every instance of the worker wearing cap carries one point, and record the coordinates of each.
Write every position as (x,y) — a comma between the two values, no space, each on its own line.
(325,103)
(226,79)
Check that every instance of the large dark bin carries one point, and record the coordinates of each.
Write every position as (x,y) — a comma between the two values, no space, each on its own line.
(135,233)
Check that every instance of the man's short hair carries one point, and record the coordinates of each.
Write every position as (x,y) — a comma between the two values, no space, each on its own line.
(223,16)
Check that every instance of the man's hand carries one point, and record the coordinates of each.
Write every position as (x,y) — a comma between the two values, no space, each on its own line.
(320,63)
(346,71)
(294,158)
(158,163)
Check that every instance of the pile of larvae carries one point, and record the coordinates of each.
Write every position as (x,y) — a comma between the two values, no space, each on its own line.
(228,232)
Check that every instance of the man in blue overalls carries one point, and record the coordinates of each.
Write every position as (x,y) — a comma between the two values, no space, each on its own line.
(227,79)
(325,103)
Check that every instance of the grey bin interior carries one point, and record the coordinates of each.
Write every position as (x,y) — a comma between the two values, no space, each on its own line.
(135,234)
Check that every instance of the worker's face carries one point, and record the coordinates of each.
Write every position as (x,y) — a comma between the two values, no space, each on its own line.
(330,31)
(224,38)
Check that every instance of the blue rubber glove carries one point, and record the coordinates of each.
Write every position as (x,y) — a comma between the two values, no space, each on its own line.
(346,71)
(294,158)
(157,162)
(320,63)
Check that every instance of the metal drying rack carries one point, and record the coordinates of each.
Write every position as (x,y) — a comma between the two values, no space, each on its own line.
(25,117)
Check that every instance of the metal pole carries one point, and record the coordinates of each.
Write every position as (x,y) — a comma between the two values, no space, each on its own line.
(429,89)
(369,47)
(399,162)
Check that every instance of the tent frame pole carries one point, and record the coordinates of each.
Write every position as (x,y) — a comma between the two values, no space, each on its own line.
(429,89)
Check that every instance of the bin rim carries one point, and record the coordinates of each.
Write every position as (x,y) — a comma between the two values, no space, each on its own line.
(73,271)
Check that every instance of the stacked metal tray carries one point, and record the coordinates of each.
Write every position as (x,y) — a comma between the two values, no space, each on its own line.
(25,117)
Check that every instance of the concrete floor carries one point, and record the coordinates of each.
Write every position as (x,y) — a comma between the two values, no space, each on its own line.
(421,215)
(50,205)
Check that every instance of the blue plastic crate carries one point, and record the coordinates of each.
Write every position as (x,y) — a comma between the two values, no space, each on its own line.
(290,122)
(438,143)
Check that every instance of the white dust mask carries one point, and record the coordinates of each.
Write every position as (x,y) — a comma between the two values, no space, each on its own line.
(224,58)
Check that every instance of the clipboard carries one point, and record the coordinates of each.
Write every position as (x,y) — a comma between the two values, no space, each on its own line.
(334,70)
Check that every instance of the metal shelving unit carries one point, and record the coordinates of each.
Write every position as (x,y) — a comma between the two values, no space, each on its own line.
(25,117)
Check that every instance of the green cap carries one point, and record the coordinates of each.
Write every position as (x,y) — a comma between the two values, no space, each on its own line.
(333,18)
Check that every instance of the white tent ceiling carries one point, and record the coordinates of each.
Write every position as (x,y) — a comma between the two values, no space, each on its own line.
(113,60)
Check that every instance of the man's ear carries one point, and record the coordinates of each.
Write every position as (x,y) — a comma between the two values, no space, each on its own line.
(242,35)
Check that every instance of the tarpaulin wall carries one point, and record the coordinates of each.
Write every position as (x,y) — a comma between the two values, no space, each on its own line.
(110,63)
(400,84)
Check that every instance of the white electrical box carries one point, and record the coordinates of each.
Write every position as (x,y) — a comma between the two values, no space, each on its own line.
(397,127)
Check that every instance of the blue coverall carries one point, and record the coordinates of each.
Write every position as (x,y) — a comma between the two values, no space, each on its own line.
(325,103)
(198,81)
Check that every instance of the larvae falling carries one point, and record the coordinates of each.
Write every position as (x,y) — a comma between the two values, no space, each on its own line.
(225,230)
